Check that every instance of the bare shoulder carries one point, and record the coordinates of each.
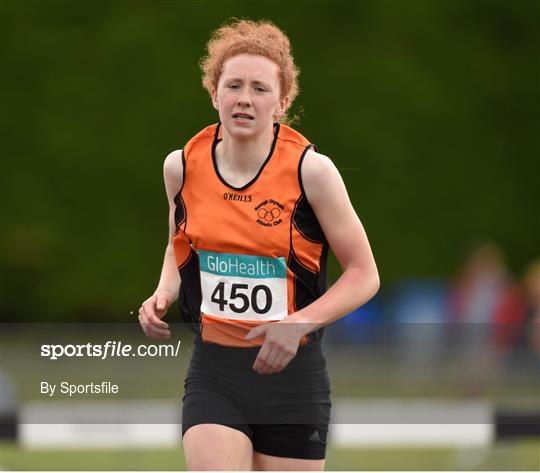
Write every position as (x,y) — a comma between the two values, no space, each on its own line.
(173,166)
(316,163)
(319,174)
(173,172)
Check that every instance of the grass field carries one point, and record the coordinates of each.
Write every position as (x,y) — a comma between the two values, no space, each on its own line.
(507,456)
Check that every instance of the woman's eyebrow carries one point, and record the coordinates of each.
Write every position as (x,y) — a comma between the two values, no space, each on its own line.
(259,82)
(256,81)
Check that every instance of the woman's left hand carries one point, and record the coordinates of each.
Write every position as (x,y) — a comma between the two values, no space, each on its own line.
(281,341)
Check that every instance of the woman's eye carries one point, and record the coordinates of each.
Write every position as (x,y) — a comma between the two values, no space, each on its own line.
(259,89)
(233,86)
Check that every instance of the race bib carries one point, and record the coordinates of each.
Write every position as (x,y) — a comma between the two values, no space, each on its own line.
(243,287)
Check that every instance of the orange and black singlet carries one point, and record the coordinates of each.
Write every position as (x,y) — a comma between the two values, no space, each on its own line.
(247,255)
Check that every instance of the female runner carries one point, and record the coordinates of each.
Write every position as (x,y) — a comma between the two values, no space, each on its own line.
(253,211)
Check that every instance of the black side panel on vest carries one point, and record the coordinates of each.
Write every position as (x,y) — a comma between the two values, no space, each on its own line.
(180,214)
(322,281)
(190,297)
(322,285)
(306,290)
(180,210)
(308,285)
(305,282)
(306,222)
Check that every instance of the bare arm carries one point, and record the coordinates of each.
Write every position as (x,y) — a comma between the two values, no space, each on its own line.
(359,281)
(155,307)
(169,282)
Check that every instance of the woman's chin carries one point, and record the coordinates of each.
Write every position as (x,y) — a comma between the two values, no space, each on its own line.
(241,130)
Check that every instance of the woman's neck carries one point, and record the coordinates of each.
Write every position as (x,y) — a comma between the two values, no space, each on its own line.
(243,157)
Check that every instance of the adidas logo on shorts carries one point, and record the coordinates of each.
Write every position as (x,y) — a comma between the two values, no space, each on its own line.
(315,437)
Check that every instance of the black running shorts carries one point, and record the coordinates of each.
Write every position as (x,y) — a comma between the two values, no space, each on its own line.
(284,414)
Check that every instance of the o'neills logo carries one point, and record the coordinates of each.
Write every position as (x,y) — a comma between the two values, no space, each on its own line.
(269,213)
(237,197)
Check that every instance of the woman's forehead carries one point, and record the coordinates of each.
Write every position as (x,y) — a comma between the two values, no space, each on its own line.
(250,66)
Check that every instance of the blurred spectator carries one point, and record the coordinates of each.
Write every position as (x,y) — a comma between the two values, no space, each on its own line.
(535,312)
(532,312)
(477,290)
(517,310)
(475,298)
(517,328)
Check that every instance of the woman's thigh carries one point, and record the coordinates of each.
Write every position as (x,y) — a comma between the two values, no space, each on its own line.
(262,462)
(217,447)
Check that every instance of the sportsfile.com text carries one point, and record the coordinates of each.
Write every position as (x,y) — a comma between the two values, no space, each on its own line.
(110,349)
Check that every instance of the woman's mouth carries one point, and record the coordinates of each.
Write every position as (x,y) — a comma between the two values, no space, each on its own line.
(242,116)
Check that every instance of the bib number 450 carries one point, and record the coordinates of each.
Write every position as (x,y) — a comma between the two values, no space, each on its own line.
(238,301)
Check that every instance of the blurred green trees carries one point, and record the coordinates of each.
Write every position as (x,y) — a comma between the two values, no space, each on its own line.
(429,108)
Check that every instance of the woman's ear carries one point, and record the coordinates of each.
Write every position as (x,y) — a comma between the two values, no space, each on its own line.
(213,95)
(282,106)
(284,102)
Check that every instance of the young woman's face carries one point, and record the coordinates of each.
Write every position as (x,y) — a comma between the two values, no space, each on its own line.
(248,95)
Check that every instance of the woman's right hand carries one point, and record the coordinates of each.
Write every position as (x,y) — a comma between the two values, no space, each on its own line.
(152,311)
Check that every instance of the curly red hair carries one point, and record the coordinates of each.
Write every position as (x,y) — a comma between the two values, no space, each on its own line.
(261,38)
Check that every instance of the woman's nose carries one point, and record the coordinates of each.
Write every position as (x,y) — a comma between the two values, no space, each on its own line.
(244,98)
